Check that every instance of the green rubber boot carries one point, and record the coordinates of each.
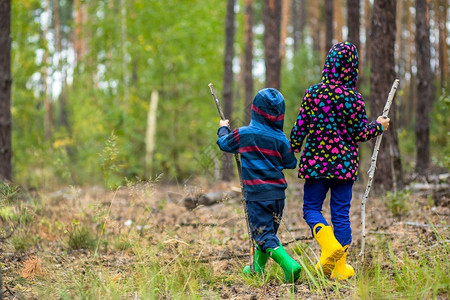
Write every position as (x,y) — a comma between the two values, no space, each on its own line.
(290,267)
(260,260)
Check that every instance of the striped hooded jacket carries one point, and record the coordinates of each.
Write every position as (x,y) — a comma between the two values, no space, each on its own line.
(333,118)
(263,146)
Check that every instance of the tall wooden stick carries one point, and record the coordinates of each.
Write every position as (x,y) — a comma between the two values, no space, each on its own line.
(238,164)
(373,165)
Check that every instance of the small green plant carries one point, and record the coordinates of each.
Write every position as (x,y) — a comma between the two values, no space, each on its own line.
(8,193)
(81,237)
(14,215)
(109,162)
(22,241)
(397,202)
(123,243)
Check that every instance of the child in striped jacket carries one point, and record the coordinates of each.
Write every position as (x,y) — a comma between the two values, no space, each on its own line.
(265,152)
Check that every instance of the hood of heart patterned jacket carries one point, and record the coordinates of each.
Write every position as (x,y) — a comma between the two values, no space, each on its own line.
(333,120)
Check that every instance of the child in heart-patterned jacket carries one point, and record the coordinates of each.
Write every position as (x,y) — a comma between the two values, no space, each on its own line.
(333,118)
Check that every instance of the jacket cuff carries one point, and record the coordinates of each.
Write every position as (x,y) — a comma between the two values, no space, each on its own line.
(224,130)
(380,127)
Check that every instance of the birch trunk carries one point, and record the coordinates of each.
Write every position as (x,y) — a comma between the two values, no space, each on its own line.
(151,133)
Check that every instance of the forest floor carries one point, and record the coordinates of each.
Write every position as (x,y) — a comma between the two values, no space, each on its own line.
(212,234)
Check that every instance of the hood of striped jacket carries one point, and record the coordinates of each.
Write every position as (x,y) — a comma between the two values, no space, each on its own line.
(268,109)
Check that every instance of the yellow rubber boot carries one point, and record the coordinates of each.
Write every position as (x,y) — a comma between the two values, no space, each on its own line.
(342,270)
(331,249)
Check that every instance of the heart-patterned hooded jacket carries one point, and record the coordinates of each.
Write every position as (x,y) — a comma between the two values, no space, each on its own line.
(333,118)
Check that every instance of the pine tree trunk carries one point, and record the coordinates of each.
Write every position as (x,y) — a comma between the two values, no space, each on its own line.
(248,59)
(5,91)
(79,38)
(314,23)
(398,38)
(272,25)
(46,71)
(443,48)
(409,62)
(63,119)
(338,20)
(228,82)
(353,17)
(389,174)
(365,56)
(329,18)
(286,4)
(425,89)
(298,17)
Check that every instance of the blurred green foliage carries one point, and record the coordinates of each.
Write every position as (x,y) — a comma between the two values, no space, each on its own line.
(440,131)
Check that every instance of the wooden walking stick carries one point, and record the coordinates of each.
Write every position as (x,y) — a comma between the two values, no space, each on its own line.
(238,165)
(373,165)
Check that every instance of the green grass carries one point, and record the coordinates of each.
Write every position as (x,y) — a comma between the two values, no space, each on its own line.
(161,272)
(408,274)
(167,263)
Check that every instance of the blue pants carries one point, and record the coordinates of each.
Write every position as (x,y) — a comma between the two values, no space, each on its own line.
(265,219)
(315,191)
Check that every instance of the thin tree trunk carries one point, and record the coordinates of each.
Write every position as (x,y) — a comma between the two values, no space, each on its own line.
(400,60)
(443,48)
(272,24)
(409,62)
(228,82)
(314,23)
(353,17)
(78,40)
(248,59)
(63,119)
(56,25)
(329,30)
(365,56)
(425,89)
(151,134)
(5,91)
(1,284)
(298,18)
(45,77)
(382,76)
(338,20)
(353,24)
(286,4)
(398,38)
(124,38)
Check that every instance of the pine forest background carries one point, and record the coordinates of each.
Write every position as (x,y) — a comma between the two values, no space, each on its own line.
(84,72)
